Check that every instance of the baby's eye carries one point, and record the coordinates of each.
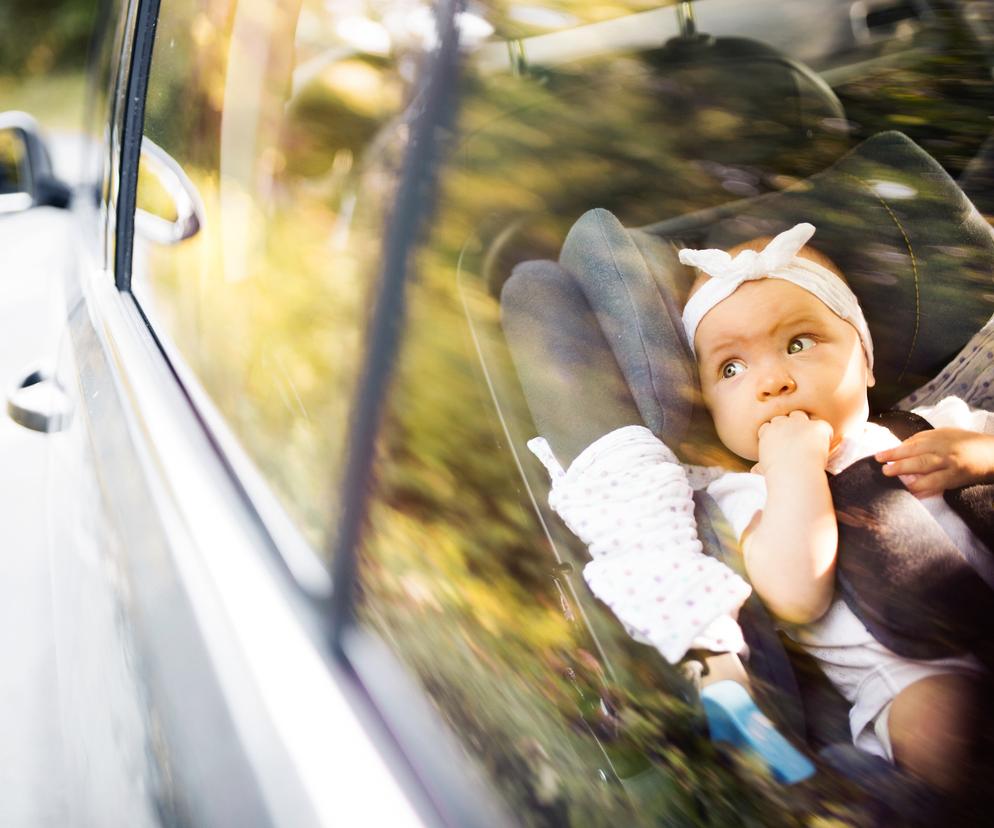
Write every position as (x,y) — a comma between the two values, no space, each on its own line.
(800,343)
(731,369)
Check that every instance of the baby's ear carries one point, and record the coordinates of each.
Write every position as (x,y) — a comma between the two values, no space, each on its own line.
(870,379)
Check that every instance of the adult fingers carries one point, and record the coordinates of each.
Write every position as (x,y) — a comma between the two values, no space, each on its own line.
(927,485)
(915,444)
(918,464)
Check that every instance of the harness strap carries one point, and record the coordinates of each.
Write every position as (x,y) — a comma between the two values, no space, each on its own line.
(898,571)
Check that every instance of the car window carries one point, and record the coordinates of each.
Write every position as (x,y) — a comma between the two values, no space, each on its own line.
(270,112)
(466,573)
(12,161)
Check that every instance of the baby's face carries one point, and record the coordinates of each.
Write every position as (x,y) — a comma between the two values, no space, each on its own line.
(771,348)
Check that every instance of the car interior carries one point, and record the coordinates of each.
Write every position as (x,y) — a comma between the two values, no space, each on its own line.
(738,138)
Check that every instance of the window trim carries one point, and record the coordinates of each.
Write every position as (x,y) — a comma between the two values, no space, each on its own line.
(133,125)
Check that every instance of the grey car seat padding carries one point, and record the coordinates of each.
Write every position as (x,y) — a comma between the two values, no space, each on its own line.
(573,385)
(640,318)
(915,251)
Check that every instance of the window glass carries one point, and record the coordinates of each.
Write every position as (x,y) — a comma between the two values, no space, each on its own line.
(12,162)
(269,111)
(465,571)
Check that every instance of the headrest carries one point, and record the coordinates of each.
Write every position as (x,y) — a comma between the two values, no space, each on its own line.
(915,251)
(739,102)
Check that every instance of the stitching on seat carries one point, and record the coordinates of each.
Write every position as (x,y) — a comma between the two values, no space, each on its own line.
(631,302)
(914,267)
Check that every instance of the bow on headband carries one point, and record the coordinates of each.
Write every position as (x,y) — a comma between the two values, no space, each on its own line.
(751,264)
(778,260)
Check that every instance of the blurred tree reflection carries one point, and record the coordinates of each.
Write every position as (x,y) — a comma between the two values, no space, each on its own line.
(43,52)
(40,36)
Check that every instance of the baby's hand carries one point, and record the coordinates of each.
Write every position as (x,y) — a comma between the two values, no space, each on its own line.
(932,461)
(786,441)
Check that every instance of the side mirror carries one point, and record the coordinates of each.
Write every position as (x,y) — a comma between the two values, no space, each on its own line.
(26,178)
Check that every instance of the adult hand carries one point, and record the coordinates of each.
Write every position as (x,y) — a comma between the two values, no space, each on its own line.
(932,461)
(793,439)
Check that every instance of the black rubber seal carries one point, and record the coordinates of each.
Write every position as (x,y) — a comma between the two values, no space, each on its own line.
(131,139)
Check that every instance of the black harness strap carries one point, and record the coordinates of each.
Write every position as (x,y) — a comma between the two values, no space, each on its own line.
(897,569)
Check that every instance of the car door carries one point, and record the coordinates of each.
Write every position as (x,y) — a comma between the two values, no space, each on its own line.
(198,678)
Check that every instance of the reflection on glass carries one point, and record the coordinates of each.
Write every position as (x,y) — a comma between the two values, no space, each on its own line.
(275,113)
(290,122)
(44,52)
(466,573)
(12,162)
(152,196)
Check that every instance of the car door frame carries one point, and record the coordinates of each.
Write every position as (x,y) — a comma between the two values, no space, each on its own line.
(260,708)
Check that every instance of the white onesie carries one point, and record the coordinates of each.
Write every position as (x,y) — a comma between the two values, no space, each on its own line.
(863,670)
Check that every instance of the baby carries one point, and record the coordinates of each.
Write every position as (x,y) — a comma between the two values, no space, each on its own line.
(785,360)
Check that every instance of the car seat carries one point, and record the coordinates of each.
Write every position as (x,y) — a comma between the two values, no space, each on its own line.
(597,342)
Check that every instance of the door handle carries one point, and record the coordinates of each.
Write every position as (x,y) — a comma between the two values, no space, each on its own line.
(39,403)
(181,191)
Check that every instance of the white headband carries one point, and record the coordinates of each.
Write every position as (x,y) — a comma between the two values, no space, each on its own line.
(778,260)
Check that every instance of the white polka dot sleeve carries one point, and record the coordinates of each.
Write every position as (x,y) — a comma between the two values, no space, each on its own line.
(628,499)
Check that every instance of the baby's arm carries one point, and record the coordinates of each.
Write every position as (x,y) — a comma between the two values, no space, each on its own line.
(955,453)
(790,546)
